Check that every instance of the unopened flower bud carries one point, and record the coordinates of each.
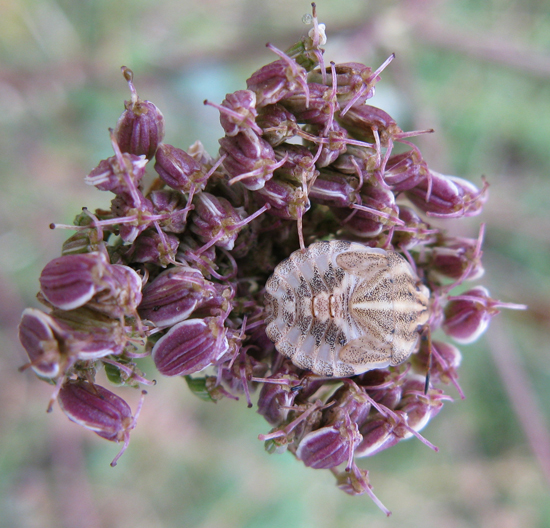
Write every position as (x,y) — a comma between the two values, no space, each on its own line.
(122,293)
(365,122)
(331,445)
(467,315)
(447,196)
(55,342)
(443,360)
(335,189)
(299,165)
(353,400)
(378,433)
(458,258)
(414,232)
(316,107)
(276,80)
(72,280)
(99,410)
(355,82)
(404,171)
(250,159)
(277,124)
(121,174)
(131,217)
(140,128)
(190,346)
(170,204)
(173,296)
(376,210)
(179,170)
(418,407)
(384,386)
(238,112)
(374,125)
(36,333)
(217,222)
(334,143)
(287,200)
(154,247)
(277,397)
(357,160)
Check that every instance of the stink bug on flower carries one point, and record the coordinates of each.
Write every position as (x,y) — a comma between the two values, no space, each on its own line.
(340,308)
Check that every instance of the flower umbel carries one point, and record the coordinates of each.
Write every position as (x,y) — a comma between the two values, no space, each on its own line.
(178,270)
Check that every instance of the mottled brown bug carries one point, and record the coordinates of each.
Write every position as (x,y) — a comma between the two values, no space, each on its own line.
(339,308)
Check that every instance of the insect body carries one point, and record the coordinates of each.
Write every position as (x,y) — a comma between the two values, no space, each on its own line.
(339,308)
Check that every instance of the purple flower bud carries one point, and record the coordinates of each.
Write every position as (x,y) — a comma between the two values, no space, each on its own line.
(140,128)
(202,258)
(331,445)
(154,247)
(87,334)
(132,218)
(354,82)
(277,124)
(447,196)
(217,222)
(384,386)
(404,171)
(467,315)
(173,296)
(169,204)
(179,170)
(99,410)
(373,125)
(279,193)
(357,160)
(287,200)
(238,113)
(353,400)
(277,394)
(250,160)
(121,174)
(356,482)
(442,358)
(190,346)
(72,280)
(55,342)
(420,408)
(316,107)
(277,80)
(122,293)
(334,189)
(414,232)
(458,258)
(217,304)
(365,122)
(378,433)
(299,165)
(334,143)
(376,210)
(36,333)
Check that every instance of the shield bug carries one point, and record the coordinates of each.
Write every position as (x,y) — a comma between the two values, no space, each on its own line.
(339,308)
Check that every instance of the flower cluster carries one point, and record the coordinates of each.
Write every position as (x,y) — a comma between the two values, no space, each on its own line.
(176,269)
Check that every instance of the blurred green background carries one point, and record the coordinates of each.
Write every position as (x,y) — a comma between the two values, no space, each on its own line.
(478,71)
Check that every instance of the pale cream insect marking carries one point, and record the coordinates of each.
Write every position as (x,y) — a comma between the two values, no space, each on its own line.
(340,308)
